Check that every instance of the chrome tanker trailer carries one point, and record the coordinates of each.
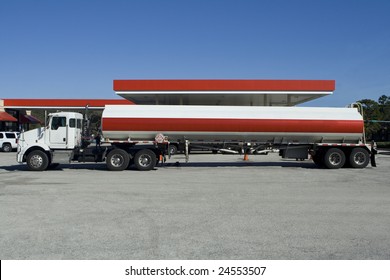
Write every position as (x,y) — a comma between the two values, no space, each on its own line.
(141,135)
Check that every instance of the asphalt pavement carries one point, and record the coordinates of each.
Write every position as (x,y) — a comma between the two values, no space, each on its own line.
(214,207)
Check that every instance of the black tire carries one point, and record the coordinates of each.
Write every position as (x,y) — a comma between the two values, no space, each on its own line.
(37,161)
(117,160)
(359,158)
(334,158)
(7,148)
(173,149)
(145,160)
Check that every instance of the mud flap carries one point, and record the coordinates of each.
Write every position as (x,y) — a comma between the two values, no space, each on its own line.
(373,153)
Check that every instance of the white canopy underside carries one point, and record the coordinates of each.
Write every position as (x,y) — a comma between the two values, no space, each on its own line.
(226,98)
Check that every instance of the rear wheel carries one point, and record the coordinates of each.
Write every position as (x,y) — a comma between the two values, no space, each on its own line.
(359,158)
(7,148)
(117,160)
(37,161)
(334,158)
(145,160)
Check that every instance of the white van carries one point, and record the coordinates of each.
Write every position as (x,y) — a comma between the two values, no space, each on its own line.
(8,140)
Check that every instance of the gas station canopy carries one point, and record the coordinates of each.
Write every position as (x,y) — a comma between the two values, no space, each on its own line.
(60,104)
(223,92)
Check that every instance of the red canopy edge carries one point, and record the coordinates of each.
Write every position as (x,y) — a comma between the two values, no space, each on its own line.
(64,102)
(224,85)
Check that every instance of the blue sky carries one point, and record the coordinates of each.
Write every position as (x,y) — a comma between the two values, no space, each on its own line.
(75,49)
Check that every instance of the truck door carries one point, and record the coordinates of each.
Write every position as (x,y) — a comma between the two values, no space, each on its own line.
(74,133)
(58,133)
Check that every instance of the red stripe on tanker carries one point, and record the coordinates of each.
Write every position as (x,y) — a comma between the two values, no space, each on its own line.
(187,121)
(227,125)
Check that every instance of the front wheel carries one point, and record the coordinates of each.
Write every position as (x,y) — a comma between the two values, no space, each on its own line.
(145,160)
(37,161)
(117,160)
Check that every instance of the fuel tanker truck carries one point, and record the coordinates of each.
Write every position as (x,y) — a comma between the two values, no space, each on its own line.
(142,135)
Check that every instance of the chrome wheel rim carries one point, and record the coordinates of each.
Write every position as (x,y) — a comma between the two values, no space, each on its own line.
(335,158)
(359,158)
(117,160)
(145,160)
(36,161)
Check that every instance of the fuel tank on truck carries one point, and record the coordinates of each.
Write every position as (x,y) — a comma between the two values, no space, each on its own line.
(233,123)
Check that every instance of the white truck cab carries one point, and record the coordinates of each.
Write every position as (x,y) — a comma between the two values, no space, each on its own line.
(64,130)
(42,146)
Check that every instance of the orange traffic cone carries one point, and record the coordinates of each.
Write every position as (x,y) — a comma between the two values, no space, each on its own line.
(246,157)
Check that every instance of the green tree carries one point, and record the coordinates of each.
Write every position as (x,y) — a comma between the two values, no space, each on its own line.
(384,100)
(384,107)
(375,115)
